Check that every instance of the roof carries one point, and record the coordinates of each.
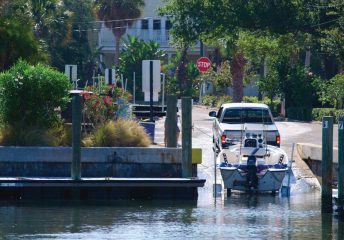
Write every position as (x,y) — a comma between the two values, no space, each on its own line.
(244,105)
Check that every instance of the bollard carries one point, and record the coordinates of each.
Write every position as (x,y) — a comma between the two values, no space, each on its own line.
(76,139)
(186,137)
(171,121)
(340,161)
(327,164)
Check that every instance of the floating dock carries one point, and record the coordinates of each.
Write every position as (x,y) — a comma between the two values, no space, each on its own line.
(99,188)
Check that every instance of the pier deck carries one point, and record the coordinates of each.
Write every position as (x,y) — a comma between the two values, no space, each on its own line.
(28,188)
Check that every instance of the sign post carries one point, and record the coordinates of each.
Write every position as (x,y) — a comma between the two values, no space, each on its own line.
(71,73)
(203,64)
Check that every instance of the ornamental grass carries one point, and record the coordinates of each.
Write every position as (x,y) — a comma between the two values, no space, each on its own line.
(120,133)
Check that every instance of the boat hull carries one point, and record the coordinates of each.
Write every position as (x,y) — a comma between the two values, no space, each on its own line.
(234,179)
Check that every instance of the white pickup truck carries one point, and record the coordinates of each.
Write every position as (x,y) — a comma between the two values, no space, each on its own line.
(234,120)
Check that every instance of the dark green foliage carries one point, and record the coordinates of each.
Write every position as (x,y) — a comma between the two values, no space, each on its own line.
(16,37)
(297,89)
(134,51)
(319,113)
(215,101)
(209,100)
(68,40)
(29,95)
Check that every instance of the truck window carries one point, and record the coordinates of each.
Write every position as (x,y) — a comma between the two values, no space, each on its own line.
(219,113)
(247,115)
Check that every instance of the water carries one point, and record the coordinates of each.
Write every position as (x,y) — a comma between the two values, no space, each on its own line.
(238,217)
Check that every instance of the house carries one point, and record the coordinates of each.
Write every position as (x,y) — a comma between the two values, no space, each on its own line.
(149,27)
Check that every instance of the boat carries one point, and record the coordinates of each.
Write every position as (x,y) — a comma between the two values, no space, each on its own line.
(252,165)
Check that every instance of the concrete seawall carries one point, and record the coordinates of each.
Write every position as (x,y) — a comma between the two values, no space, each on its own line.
(96,162)
(311,154)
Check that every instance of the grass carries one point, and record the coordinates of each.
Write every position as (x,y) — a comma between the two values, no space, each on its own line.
(121,133)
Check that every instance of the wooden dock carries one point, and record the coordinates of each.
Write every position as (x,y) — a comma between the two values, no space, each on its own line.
(22,188)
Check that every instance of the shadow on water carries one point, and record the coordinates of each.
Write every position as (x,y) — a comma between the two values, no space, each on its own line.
(244,200)
(30,219)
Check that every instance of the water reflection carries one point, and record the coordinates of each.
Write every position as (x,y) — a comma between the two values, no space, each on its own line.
(326,225)
(237,217)
(340,231)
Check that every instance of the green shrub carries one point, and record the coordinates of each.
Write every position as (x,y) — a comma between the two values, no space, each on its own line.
(121,133)
(250,99)
(299,113)
(29,95)
(209,100)
(319,113)
(275,106)
(223,99)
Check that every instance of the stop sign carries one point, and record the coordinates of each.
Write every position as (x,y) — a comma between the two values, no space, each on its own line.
(203,64)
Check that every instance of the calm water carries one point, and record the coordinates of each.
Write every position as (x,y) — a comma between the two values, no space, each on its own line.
(238,217)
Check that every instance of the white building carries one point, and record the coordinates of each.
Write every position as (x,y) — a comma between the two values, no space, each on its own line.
(149,27)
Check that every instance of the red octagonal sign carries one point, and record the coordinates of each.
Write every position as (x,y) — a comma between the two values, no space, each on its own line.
(203,64)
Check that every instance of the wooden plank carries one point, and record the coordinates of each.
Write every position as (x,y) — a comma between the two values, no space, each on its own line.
(101,182)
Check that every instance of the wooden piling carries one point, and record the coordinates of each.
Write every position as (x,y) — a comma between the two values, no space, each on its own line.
(151,114)
(327,164)
(186,137)
(171,121)
(340,160)
(76,137)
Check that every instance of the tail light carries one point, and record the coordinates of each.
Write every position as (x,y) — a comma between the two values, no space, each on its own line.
(223,139)
(278,140)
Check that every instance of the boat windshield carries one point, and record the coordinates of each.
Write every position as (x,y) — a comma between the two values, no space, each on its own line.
(247,115)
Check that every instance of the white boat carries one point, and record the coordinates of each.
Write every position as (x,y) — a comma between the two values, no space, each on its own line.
(252,166)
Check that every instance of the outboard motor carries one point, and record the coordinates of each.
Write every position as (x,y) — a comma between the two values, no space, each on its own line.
(251,177)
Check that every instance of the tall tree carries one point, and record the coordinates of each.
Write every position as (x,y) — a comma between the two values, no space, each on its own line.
(186,18)
(76,48)
(222,20)
(16,37)
(118,15)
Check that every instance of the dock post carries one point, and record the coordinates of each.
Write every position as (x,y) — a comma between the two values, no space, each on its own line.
(327,164)
(171,121)
(76,137)
(340,161)
(151,114)
(186,137)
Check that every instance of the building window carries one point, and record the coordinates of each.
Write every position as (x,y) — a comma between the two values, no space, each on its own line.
(144,23)
(168,25)
(157,24)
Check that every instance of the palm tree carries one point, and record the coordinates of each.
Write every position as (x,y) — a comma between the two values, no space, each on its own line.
(238,71)
(117,15)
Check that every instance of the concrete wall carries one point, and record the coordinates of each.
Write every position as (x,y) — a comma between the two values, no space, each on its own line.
(96,162)
(312,155)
